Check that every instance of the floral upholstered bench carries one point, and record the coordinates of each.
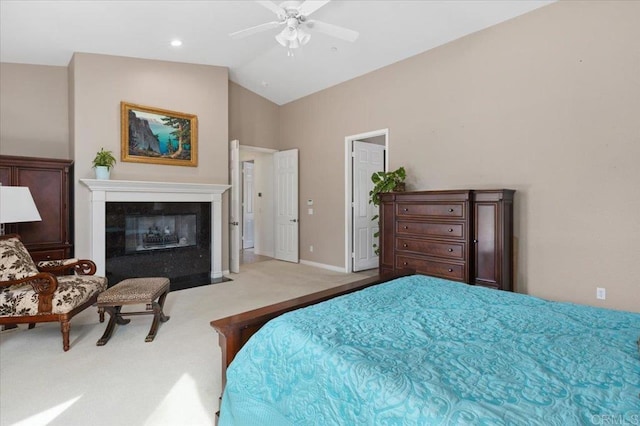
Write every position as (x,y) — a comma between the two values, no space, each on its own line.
(133,291)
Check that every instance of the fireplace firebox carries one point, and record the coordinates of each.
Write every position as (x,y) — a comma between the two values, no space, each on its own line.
(159,231)
(169,239)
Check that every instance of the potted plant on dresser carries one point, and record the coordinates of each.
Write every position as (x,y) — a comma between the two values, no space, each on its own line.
(103,162)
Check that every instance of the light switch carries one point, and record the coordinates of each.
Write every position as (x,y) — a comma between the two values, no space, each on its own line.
(310,211)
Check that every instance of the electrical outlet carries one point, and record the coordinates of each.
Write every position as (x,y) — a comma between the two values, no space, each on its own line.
(601,293)
(311,249)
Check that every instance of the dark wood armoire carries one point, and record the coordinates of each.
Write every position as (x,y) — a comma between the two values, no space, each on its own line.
(49,181)
(462,235)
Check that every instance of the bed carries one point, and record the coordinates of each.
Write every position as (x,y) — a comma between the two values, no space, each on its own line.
(423,350)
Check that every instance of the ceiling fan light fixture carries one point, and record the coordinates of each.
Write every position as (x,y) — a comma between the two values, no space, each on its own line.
(303,37)
(293,15)
(291,33)
(282,40)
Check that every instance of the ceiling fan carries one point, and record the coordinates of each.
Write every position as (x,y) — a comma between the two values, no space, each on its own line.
(293,15)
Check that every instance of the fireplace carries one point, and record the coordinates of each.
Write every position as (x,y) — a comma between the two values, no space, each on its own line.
(172,240)
(157,229)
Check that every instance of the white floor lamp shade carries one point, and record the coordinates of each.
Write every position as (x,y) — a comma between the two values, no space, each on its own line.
(17,205)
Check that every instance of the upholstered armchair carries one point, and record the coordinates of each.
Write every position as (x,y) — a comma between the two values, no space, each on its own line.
(53,290)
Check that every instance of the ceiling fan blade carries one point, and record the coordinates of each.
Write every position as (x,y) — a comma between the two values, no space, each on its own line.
(258,28)
(273,7)
(333,30)
(310,6)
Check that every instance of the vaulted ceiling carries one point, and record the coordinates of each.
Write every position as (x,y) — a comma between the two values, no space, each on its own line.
(48,32)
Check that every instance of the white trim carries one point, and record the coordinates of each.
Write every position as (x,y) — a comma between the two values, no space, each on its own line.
(257,149)
(103,191)
(322,265)
(263,253)
(348,188)
(118,189)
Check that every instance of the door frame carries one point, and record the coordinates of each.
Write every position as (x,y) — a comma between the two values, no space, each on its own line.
(348,188)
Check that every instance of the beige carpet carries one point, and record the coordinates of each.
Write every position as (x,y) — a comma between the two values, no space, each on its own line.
(173,381)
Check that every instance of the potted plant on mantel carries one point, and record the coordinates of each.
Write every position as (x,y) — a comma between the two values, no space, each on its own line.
(385,182)
(103,162)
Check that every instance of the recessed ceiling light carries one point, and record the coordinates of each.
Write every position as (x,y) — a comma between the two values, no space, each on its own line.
(176,43)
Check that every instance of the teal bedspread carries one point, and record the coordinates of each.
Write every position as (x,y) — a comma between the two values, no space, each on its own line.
(425,351)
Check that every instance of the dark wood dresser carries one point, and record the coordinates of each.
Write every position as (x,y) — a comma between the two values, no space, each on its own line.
(49,181)
(462,235)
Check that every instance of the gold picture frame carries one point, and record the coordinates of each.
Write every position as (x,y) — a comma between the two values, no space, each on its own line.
(158,136)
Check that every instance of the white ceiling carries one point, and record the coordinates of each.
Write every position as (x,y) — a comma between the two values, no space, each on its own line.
(48,32)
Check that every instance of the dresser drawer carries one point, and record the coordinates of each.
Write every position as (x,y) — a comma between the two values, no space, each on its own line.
(432,210)
(450,271)
(431,229)
(448,250)
(51,254)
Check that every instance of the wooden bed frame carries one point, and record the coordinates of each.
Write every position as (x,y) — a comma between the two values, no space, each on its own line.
(234,331)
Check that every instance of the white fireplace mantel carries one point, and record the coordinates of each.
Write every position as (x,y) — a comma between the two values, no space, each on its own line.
(104,191)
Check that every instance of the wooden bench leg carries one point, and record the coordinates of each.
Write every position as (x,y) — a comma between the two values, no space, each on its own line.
(158,316)
(114,317)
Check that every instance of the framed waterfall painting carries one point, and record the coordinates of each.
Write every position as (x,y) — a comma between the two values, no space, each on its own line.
(158,136)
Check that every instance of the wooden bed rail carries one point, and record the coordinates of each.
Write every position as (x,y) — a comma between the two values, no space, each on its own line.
(235,330)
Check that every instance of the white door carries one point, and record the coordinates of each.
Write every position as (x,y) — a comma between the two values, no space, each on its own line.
(368,158)
(247,204)
(234,214)
(286,189)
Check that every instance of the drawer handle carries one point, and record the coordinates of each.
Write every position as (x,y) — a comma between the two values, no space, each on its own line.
(405,227)
(450,229)
(450,270)
(405,209)
(450,250)
(404,263)
(450,210)
(405,245)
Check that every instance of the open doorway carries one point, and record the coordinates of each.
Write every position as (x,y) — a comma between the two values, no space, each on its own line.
(256,229)
(365,154)
(247,230)
(274,204)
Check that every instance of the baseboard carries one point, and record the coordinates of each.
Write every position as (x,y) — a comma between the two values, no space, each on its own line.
(322,265)
(263,253)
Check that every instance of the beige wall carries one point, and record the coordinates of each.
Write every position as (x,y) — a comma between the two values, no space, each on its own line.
(34,111)
(253,120)
(101,82)
(546,104)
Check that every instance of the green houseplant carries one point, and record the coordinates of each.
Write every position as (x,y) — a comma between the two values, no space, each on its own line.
(385,182)
(103,162)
